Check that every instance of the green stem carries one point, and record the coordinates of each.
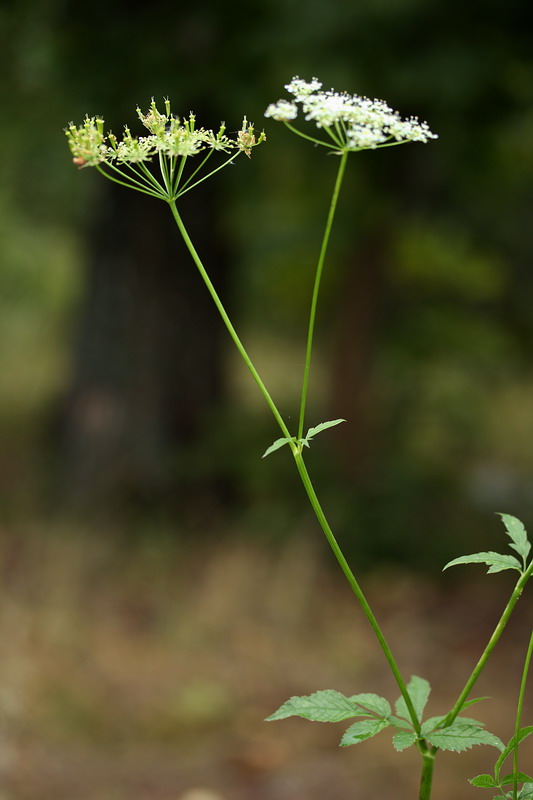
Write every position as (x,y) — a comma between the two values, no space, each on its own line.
(318,276)
(519,709)
(358,592)
(227,322)
(493,641)
(428,762)
(306,480)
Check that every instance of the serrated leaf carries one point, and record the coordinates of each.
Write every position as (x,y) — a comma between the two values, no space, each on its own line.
(324,706)
(470,721)
(526,792)
(364,729)
(434,723)
(322,427)
(372,703)
(275,446)
(523,733)
(403,739)
(518,535)
(418,689)
(496,561)
(521,777)
(484,781)
(458,737)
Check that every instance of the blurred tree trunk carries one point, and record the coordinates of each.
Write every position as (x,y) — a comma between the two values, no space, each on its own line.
(147,361)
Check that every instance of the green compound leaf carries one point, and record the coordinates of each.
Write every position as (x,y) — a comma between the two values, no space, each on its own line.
(484,782)
(371,704)
(419,690)
(364,729)
(496,561)
(324,706)
(403,739)
(322,427)
(518,535)
(521,777)
(277,444)
(459,736)
(526,792)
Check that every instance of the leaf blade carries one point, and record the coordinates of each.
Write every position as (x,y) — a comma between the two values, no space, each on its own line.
(322,426)
(326,705)
(458,737)
(276,446)
(517,534)
(495,561)
(419,690)
(362,730)
(403,739)
(373,702)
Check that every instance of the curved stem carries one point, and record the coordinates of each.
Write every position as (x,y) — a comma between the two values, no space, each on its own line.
(316,288)
(356,589)
(227,322)
(493,641)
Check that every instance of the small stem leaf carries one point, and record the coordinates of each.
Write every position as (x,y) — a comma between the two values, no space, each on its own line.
(324,706)
(419,690)
(496,561)
(364,729)
(523,734)
(521,777)
(484,781)
(526,792)
(403,739)
(322,427)
(277,444)
(459,737)
(518,534)
(372,704)
(472,702)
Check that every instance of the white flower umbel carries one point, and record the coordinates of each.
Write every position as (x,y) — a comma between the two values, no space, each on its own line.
(171,140)
(352,122)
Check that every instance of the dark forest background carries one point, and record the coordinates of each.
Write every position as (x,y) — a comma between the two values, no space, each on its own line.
(163,587)
(119,391)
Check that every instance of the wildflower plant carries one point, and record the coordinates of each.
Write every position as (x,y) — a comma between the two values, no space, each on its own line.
(173,158)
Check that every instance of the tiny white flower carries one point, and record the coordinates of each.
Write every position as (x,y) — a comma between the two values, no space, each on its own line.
(300,89)
(353,122)
(282,110)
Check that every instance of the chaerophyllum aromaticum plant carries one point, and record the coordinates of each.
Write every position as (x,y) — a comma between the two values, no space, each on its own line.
(166,163)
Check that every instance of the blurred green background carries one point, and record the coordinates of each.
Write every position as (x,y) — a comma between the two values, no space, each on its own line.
(129,432)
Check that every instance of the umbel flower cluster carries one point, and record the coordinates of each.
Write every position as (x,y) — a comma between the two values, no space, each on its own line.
(171,139)
(351,122)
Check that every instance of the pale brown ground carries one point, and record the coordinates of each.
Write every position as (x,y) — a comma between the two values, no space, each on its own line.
(145,673)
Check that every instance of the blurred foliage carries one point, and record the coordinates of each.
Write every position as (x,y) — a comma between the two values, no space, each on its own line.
(431,253)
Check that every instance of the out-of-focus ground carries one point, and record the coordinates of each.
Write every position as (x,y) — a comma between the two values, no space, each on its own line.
(144,672)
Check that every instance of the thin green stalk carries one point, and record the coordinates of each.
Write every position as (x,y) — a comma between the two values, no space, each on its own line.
(519,709)
(316,288)
(493,641)
(306,480)
(358,592)
(227,322)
